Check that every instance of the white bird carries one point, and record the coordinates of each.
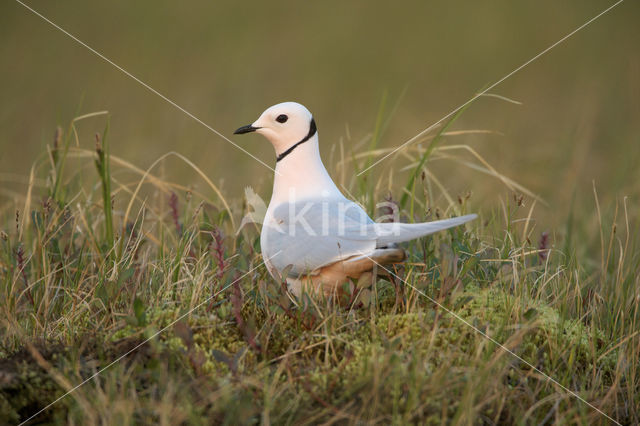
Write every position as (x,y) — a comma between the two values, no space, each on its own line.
(309,225)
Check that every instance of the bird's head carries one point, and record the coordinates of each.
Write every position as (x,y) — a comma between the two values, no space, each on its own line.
(285,125)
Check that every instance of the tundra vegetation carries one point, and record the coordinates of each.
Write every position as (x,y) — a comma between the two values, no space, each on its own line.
(149,293)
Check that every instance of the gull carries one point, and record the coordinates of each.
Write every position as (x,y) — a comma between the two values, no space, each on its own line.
(311,232)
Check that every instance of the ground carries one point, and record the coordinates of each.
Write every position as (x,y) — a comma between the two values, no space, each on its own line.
(150,300)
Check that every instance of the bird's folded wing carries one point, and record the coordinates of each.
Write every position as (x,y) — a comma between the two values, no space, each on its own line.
(389,233)
(312,234)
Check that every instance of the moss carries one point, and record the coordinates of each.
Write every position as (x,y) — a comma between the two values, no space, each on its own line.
(387,366)
(395,356)
(25,388)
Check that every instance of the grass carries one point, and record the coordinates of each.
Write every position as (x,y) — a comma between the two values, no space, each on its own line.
(95,266)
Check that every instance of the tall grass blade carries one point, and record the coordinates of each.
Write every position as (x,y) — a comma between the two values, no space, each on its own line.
(104,171)
(432,145)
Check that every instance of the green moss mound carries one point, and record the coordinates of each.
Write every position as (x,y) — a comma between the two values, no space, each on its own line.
(373,366)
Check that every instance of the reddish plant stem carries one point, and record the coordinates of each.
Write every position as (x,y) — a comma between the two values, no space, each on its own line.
(237,302)
(23,273)
(173,205)
(543,246)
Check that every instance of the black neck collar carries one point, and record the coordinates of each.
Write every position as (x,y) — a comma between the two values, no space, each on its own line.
(312,131)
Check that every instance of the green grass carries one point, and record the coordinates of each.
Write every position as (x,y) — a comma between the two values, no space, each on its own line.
(94,264)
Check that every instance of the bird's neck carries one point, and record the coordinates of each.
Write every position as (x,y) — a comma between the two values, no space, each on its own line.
(301,175)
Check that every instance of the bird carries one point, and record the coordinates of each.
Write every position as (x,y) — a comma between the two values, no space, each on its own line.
(311,233)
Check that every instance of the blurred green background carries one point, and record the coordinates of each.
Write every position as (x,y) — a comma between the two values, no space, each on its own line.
(226,61)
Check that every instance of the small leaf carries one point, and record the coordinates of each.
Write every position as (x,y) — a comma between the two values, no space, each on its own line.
(128,273)
(285,272)
(462,301)
(131,320)
(468,265)
(221,357)
(101,293)
(197,359)
(184,332)
(138,309)
(238,355)
(365,297)
(365,280)
(531,314)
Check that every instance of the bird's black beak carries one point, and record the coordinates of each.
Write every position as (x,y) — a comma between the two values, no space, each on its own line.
(245,129)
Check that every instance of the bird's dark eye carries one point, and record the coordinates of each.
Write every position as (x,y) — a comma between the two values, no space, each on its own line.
(282,118)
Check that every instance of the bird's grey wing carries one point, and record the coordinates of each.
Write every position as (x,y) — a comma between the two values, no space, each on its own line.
(312,234)
(389,233)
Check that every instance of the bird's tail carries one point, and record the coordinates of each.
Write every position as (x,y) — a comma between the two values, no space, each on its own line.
(389,233)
